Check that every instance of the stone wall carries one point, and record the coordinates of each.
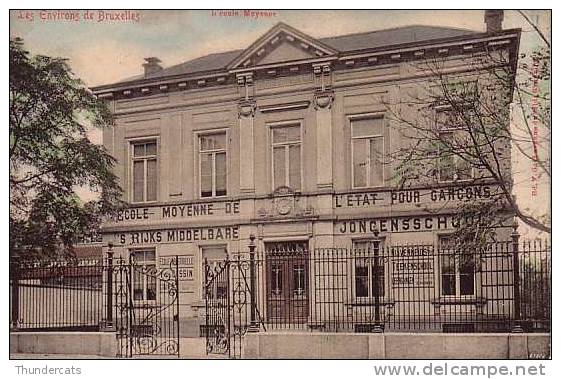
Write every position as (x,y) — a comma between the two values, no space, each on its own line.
(72,343)
(396,346)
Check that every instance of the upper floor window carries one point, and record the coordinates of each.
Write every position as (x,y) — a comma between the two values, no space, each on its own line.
(213,164)
(455,147)
(367,147)
(143,277)
(144,171)
(286,145)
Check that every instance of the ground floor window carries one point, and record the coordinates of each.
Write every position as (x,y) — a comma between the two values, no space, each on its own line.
(212,258)
(143,274)
(369,269)
(457,269)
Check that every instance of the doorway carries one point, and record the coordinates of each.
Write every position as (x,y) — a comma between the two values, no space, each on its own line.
(287,273)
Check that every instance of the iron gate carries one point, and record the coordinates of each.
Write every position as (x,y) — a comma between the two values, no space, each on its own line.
(146,304)
(229,305)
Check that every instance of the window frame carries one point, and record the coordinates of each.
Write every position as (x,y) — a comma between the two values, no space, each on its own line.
(367,116)
(449,130)
(279,124)
(202,265)
(131,142)
(277,285)
(198,161)
(301,279)
(370,297)
(457,274)
(144,277)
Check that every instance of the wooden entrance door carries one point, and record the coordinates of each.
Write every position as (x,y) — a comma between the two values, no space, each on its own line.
(287,265)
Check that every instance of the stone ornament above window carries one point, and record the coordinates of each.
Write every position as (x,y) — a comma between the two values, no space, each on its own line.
(323,100)
(285,202)
(246,109)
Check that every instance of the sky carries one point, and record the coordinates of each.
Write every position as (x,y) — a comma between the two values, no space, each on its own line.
(102,51)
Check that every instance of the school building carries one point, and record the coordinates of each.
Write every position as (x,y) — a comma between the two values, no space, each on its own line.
(288,142)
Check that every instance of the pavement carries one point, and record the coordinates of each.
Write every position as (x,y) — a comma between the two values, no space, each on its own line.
(190,348)
(29,356)
(54,356)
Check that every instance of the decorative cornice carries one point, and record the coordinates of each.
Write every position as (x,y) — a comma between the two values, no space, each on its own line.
(245,83)
(272,38)
(322,76)
(472,44)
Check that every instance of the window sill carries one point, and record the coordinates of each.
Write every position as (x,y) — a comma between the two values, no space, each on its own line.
(367,188)
(221,197)
(457,300)
(370,303)
(145,304)
(143,203)
(456,181)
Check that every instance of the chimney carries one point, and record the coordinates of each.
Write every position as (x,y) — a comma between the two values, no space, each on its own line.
(494,20)
(151,66)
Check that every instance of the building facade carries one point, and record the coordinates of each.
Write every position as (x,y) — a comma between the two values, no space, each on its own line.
(287,141)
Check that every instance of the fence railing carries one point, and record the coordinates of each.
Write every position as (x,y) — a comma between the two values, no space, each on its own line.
(57,295)
(502,287)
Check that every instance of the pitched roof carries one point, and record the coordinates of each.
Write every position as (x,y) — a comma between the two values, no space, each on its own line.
(343,43)
(210,62)
(394,36)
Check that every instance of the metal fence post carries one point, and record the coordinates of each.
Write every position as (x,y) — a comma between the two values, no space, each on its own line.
(378,327)
(253,326)
(229,312)
(177,302)
(517,328)
(130,304)
(109,322)
(15,296)
(205,294)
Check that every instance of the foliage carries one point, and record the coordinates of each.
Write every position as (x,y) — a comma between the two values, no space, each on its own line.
(460,130)
(51,155)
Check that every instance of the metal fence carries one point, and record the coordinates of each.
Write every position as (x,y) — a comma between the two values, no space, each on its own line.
(57,294)
(136,300)
(502,287)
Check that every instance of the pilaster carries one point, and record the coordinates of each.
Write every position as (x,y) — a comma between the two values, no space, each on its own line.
(246,115)
(323,99)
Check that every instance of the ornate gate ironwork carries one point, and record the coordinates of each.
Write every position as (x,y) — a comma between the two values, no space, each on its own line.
(146,303)
(217,307)
(230,304)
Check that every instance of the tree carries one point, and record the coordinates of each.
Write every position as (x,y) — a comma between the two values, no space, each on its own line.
(461,130)
(51,155)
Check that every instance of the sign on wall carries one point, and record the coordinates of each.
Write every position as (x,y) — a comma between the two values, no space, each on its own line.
(176,212)
(415,196)
(412,267)
(185,270)
(397,224)
(217,233)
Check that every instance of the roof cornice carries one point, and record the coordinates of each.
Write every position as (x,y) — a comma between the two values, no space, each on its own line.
(452,41)
(514,34)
